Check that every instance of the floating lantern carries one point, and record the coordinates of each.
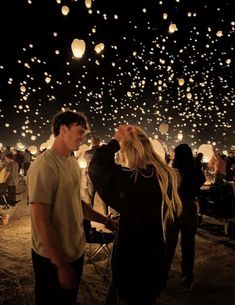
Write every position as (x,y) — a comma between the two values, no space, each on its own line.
(207,151)
(88,3)
(65,10)
(181,81)
(22,88)
(172,28)
(78,47)
(163,128)
(33,149)
(99,47)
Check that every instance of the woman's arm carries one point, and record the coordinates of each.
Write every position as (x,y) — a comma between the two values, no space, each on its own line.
(104,172)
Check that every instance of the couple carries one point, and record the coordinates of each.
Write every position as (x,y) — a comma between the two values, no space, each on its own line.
(143,189)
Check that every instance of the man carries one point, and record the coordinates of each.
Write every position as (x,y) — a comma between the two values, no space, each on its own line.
(57,213)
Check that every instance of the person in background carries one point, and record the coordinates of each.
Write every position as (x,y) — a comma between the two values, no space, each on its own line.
(19,158)
(11,177)
(57,213)
(144,193)
(199,161)
(218,165)
(192,178)
(5,152)
(27,161)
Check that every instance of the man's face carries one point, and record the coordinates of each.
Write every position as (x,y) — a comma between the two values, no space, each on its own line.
(73,136)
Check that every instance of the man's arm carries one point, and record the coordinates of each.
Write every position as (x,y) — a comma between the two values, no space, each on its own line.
(93,215)
(41,220)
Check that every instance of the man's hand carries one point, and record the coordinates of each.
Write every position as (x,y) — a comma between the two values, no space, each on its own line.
(111,224)
(66,276)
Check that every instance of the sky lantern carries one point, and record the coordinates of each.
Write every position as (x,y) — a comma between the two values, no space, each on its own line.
(207,151)
(219,34)
(33,138)
(181,81)
(172,28)
(189,95)
(165,16)
(78,47)
(163,128)
(88,3)
(43,146)
(180,136)
(99,47)
(33,149)
(47,79)
(20,145)
(65,10)
(22,88)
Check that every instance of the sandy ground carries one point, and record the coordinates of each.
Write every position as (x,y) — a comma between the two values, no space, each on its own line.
(214,267)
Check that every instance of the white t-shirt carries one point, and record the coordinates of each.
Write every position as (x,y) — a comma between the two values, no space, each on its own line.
(54,179)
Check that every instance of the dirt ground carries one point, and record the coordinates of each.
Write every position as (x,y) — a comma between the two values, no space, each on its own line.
(214,267)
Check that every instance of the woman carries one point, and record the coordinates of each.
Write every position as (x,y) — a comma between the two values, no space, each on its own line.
(144,193)
(192,178)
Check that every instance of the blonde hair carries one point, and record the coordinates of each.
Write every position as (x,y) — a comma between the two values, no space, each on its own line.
(136,153)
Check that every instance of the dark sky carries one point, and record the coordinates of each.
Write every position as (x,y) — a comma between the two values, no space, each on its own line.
(135,79)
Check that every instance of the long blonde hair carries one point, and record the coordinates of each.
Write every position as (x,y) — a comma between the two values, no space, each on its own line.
(137,152)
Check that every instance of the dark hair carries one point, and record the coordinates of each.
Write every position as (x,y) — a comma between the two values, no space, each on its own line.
(10,156)
(69,117)
(183,159)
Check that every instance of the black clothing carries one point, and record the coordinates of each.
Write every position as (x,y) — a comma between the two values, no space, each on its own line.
(139,254)
(192,180)
(47,287)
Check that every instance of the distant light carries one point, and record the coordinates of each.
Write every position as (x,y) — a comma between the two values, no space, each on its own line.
(65,10)
(88,3)
(172,28)
(181,81)
(78,47)
(99,47)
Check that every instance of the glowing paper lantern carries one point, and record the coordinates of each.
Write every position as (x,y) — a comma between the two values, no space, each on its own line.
(65,10)
(33,149)
(33,138)
(158,149)
(43,146)
(172,28)
(189,95)
(20,145)
(78,47)
(180,136)
(99,47)
(207,151)
(47,79)
(88,3)
(181,81)
(22,89)
(163,128)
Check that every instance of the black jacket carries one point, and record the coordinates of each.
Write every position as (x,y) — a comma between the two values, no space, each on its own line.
(139,253)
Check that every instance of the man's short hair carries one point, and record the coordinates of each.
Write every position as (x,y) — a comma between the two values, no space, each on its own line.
(69,117)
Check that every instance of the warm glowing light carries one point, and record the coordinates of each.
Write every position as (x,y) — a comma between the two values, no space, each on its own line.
(78,47)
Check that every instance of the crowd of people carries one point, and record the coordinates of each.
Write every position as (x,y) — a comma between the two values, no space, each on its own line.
(13,164)
(153,200)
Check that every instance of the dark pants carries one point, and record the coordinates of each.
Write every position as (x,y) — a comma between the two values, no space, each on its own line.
(47,287)
(187,227)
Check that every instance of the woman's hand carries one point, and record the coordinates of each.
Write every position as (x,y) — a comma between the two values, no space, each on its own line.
(121,132)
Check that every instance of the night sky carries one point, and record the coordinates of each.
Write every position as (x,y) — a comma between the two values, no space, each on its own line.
(168,62)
